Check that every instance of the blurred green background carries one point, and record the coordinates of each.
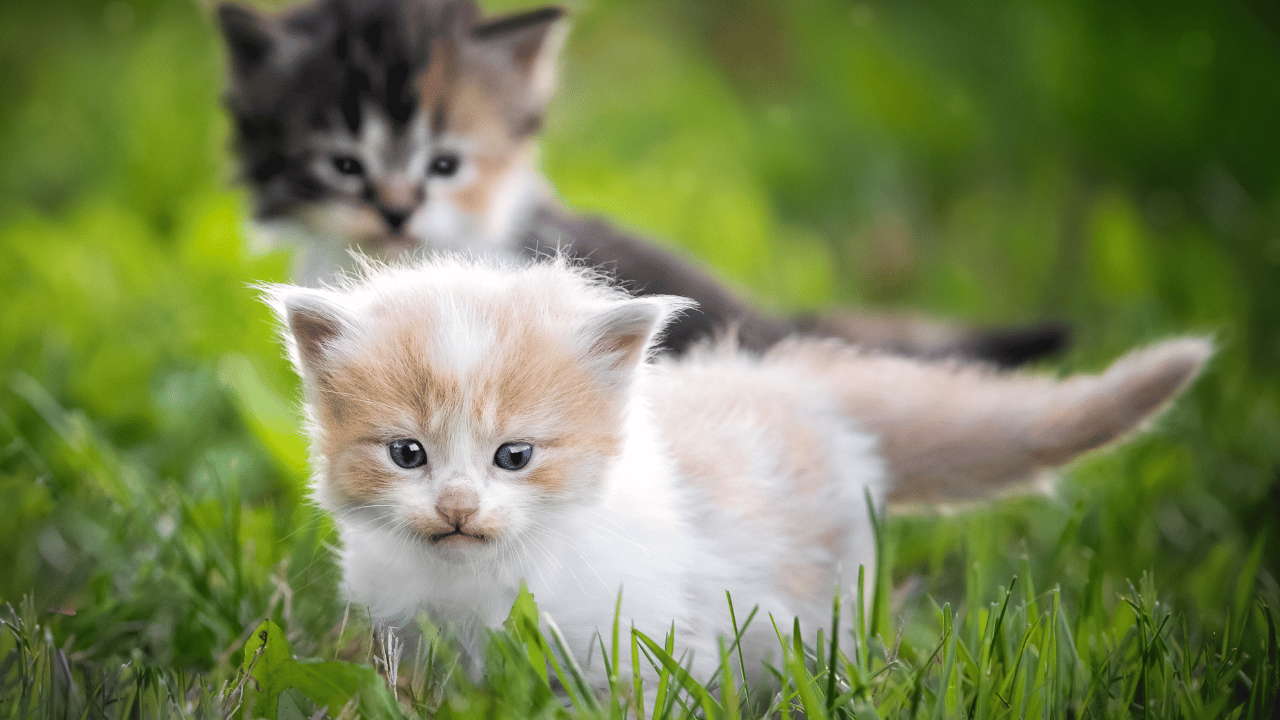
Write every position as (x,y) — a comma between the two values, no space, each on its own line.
(1116,165)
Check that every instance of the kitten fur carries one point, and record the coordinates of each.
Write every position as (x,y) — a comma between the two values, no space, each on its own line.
(670,480)
(398,85)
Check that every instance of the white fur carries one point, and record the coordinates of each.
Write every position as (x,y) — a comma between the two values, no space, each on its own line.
(639,539)
(646,530)
(735,472)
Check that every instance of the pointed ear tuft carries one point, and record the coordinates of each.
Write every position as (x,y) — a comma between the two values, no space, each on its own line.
(312,320)
(249,35)
(530,43)
(620,338)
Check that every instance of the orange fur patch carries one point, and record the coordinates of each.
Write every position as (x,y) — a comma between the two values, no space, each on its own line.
(529,376)
(465,95)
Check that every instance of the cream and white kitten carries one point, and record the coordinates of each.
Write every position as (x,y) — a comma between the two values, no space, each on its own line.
(479,426)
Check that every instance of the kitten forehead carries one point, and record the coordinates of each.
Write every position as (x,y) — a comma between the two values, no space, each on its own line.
(462,318)
(461,341)
(454,313)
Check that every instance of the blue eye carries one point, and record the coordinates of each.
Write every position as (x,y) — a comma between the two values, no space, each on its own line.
(347,165)
(513,455)
(407,453)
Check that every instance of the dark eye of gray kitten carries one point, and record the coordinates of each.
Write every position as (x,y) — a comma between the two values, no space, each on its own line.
(444,165)
(348,165)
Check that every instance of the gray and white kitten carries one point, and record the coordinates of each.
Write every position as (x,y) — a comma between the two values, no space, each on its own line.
(391,126)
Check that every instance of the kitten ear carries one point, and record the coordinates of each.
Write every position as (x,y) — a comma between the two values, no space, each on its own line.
(620,338)
(528,42)
(312,320)
(249,35)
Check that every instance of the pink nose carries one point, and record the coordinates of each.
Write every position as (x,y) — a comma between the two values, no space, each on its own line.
(457,505)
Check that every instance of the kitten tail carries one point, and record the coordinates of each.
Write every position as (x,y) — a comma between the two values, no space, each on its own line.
(1089,412)
(953,432)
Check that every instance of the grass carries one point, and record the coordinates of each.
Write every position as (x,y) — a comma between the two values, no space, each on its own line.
(1021,655)
(150,457)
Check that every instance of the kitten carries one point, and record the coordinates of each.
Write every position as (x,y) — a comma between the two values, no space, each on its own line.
(396,125)
(479,426)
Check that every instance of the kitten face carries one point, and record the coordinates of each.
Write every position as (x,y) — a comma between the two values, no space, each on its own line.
(462,371)
(390,124)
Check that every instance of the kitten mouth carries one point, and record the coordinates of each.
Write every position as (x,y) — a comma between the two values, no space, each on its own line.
(462,536)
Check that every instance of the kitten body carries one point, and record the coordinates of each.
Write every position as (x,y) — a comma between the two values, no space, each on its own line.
(669,481)
(774,523)
(396,127)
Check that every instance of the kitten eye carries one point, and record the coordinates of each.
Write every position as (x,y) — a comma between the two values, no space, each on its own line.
(407,453)
(347,165)
(513,455)
(444,165)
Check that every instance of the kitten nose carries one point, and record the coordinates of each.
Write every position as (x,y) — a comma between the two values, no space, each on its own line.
(396,197)
(457,505)
(394,217)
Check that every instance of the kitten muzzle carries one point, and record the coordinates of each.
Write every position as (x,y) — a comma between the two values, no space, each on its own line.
(458,533)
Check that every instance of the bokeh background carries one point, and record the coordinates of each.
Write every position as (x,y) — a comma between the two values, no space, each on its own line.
(1115,165)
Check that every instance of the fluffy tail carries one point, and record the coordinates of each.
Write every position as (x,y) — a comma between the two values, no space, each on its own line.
(955,432)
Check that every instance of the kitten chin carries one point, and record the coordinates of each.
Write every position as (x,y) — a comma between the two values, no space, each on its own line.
(517,404)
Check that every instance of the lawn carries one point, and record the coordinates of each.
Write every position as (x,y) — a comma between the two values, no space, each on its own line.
(1115,167)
